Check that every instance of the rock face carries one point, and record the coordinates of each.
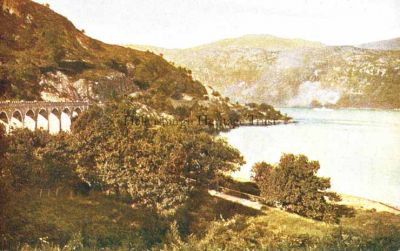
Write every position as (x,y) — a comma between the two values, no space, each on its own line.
(12,7)
(60,86)
(255,68)
(43,56)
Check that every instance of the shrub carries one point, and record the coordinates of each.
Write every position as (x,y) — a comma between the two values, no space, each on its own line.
(294,185)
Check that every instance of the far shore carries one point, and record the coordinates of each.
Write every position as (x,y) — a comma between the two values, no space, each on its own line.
(340,108)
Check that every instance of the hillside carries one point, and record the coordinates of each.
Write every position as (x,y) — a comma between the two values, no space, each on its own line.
(390,44)
(295,74)
(266,42)
(43,56)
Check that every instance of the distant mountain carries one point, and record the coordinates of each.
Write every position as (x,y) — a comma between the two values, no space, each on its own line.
(266,42)
(294,72)
(391,44)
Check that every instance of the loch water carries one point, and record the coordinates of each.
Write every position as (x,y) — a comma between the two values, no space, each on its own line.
(359,149)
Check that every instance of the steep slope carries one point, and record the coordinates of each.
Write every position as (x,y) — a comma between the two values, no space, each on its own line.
(43,56)
(390,44)
(295,76)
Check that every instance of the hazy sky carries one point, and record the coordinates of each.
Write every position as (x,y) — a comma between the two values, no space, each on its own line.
(186,23)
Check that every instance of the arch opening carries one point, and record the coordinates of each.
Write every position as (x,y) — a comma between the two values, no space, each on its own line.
(65,120)
(66,110)
(76,112)
(42,121)
(54,121)
(16,120)
(30,120)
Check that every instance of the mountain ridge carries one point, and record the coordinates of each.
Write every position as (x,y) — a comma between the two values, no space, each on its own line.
(388,44)
(341,76)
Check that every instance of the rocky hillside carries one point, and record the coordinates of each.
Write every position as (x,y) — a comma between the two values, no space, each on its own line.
(43,56)
(390,44)
(294,72)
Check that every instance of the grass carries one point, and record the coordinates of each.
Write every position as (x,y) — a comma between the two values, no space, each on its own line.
(101,221)
(274,229)
(46,221)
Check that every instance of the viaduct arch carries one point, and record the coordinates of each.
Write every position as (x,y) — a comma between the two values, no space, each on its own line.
(51,116)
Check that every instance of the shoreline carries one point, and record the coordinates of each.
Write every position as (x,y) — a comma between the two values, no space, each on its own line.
(367,204)
(353,200)
(341,108)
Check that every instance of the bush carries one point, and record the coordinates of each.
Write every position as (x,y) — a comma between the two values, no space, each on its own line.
(38,159)
(294,185)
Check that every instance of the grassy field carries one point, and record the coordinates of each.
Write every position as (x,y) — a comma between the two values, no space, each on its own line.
(215,224)
(65,217)
(274,229)
(41,219)
(63,220)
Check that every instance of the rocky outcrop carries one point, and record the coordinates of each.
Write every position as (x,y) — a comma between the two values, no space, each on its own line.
(296,74)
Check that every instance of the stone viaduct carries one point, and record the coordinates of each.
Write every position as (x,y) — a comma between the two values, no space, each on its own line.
(51,116)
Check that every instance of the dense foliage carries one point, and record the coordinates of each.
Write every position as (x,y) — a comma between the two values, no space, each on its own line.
(157,166)
(115,183)
(153,170)
(3,184)
(294,185)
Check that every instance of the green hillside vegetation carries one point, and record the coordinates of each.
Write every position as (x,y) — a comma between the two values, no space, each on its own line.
(278,230)
(119,185)
(282,72)
(151,170)
(41,51)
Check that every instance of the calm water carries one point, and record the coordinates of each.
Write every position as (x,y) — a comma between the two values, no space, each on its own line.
(358,149)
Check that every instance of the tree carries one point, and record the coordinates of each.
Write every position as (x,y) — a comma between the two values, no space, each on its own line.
(234,117)
(4,191)
(3,142)
(157,167)
(22,165)
(37,159)
(294,185)
(182,112)
(57,161)
(316,103)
